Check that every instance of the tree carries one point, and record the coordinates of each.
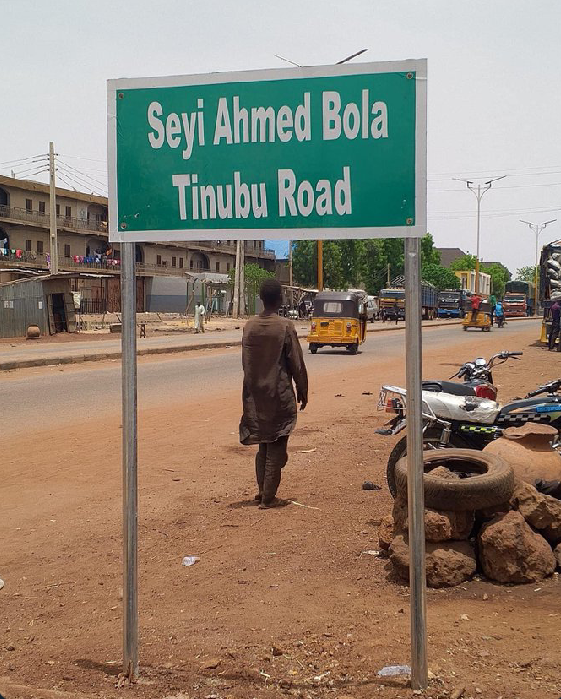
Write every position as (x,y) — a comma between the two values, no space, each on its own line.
(464,263)
(499,277)
(440,276)
(304,262)
(528,274)
(254,277)
(429,254)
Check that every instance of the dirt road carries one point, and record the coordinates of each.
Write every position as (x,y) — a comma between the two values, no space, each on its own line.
(282,602)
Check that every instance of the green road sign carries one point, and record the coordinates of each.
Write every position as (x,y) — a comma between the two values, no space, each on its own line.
(323,152)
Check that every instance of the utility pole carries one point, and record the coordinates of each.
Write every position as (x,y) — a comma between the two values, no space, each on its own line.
(479,190)
(236,299)
(52,210)
(537,228)
(389,275)
(242,278)
(320,265)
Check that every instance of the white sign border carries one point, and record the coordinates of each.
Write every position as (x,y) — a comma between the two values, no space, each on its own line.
(419,229)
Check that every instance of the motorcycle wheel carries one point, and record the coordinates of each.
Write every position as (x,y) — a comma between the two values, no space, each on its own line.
(431,440)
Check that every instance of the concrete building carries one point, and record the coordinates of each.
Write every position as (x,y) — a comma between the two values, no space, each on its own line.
(83,245)
(467,281)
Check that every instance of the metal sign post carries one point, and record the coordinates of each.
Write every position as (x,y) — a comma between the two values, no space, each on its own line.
(312,153)
(130,495)
(415,490)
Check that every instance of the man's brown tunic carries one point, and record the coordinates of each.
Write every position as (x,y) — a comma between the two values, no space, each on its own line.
(272,358)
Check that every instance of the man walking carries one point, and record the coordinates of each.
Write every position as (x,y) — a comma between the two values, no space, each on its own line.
(555,326)
(272,360)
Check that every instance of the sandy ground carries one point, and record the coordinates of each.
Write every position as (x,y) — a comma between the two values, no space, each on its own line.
(282,603)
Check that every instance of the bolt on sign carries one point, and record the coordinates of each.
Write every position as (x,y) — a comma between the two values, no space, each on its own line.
(328,152)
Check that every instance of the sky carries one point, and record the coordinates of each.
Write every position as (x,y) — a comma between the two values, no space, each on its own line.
(494,97)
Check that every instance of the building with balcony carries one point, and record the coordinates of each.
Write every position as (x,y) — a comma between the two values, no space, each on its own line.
(83,245)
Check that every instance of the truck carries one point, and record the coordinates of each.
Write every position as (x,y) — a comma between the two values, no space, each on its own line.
(518,299)
(451,303)
(550,283)
(391,301)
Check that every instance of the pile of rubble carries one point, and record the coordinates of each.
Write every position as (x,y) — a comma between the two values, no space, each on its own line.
(516,542)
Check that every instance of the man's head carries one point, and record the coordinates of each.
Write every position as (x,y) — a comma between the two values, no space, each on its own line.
(271,294)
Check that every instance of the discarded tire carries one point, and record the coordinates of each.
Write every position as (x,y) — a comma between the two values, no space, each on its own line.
(485,480)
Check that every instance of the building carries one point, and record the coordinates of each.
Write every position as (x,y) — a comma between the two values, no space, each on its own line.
(467,281)
(83,245)
(45,301)
(449,255)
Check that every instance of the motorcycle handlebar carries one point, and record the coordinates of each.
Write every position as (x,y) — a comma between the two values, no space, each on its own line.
(551,387)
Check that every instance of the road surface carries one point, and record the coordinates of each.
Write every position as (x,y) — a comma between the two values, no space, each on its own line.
(75,393)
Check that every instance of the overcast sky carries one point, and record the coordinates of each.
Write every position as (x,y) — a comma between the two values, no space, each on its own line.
(494,87)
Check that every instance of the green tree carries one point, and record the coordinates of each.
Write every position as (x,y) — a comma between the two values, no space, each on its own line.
(463,263)
(441,277)
(429,254)
(333,277)
(528,274)
(352,261)
(254,277)
(304,263)
(499,277)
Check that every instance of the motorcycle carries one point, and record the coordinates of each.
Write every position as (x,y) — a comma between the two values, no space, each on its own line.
(466,421)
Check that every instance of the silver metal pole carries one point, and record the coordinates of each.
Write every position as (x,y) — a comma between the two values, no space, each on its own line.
(236,299)
(130,496)
(415,490)
(53,248)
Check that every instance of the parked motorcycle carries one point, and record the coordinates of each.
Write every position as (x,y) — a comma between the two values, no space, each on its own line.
(466,421)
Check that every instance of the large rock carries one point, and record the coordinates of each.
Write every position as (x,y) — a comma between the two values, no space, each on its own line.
(511,552)
(386,532)
(439,525)
(528,450)
(541,511)
(447,564)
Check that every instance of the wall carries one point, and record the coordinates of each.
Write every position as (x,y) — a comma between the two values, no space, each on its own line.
(165,294)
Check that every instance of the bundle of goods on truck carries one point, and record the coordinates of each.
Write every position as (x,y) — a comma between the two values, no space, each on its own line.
(550,283)
(392,300)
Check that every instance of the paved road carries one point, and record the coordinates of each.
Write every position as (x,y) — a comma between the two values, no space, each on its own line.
(59,396)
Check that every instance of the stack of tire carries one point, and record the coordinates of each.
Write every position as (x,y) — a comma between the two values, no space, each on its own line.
(473,522)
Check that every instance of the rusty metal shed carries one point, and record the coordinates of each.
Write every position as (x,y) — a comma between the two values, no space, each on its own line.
(44,301)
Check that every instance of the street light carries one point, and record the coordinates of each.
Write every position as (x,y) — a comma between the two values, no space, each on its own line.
(537,228)
(479,190)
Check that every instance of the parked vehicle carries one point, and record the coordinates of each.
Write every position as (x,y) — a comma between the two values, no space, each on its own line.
(392,301)
(467,421)
(338,320)
(450,303)
(392,304)
(550,283)
(372,308)
(518,300)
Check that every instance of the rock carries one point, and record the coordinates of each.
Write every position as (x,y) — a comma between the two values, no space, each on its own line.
(446,473)
(557,553)
(439,525)
(447,564)
(458,693)
(386,532)
(446,526)
(511,552)
(276,651)
(541,511)
(528,450)
(211,664)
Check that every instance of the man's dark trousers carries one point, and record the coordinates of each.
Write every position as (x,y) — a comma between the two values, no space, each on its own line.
(269,462)
(553,334)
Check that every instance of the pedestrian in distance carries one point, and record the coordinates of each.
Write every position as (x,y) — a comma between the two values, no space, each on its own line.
(199,318)
(555,326)
(272,362)
(492,304)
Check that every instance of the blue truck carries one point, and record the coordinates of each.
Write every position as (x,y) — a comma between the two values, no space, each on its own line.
(451,303)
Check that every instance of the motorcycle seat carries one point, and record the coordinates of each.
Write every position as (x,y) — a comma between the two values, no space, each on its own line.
(452,387)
